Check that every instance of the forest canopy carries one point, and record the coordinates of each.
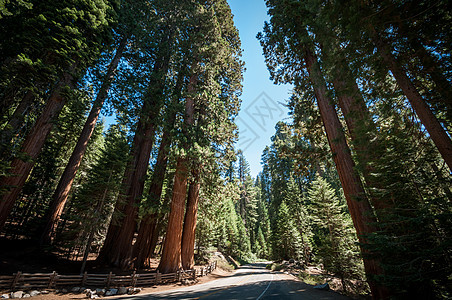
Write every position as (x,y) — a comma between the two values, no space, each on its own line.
(356,181)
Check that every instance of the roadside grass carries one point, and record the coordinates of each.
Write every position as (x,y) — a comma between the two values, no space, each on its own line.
(224,265)
(275,267)
(311,279)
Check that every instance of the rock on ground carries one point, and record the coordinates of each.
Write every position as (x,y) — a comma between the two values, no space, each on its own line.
(111,292)
(122,290)
(17,295)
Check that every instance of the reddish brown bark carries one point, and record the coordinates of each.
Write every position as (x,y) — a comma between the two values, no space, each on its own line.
(171,255)
(428,119)
(20,169)
(117,249)
(142,248)
(360,125)
(357,202)
(429,63)
(67,178)
(188,236)
(120,233)
(442,85)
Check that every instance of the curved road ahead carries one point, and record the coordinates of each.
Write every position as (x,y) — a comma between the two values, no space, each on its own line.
(249,282)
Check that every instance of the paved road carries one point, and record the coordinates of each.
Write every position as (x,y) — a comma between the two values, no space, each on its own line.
(249,282)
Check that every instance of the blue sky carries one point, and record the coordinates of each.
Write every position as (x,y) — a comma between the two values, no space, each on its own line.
(262,101)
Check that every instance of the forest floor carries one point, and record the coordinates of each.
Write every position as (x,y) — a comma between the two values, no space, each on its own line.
(216,274)
(25,256)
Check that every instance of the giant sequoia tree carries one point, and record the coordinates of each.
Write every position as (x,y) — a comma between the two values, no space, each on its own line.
(369,147)
(44,45)
(210,104)
(319,45)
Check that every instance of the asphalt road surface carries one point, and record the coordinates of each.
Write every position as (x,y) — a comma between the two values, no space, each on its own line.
(249,282)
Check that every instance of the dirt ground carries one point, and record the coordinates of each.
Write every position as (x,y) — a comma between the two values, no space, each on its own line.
(25,256)
(218,273)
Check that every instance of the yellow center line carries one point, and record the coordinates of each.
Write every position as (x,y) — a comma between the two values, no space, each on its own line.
(226,288)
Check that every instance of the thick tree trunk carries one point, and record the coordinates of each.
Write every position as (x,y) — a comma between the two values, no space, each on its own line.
(443,86)
(359,123)
(188,235)
(171,256)
(357,202)
(120,243)
(117,249)
(428,119)
(20,169)
(65,184)
(430,64)
(142,248)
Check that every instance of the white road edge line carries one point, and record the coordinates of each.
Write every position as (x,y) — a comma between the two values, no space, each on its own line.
(265,289)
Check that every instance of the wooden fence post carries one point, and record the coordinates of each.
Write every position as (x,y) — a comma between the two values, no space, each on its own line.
(157,275)
(52,280)
(84,278)
(134,279)
(109,279)
(15,280)
(194,274)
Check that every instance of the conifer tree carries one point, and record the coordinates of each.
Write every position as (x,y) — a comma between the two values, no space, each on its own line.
(302,49)
(335,244)
(94,201)
(88,26)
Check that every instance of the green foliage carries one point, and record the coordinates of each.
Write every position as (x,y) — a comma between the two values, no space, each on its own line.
(287,240)
(335,241)
(393,154)
(18,3)
(93,203)
(38,191)
(311,279)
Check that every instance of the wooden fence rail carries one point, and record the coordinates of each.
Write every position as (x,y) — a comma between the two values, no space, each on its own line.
(25,281)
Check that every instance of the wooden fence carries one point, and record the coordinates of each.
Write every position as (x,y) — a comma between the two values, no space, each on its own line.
(24,281)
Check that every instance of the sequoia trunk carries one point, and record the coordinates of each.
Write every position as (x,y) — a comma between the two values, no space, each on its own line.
(117,249)
(64,186)
(188,236)
(171,255)
(357,202)
(20,169)
(434,128)
(142,248)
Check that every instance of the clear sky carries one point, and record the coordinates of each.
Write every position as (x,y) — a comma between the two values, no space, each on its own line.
(262,101)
